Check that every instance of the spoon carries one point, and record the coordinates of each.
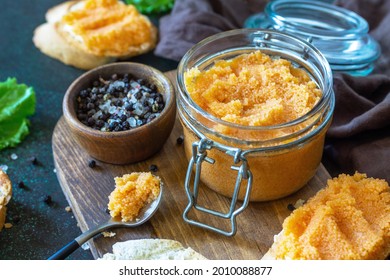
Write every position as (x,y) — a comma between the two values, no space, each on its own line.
(145,214)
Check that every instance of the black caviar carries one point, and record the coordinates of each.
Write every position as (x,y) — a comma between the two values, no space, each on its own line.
(120,103)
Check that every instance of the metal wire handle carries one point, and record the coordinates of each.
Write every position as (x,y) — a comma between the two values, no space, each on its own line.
(199,156)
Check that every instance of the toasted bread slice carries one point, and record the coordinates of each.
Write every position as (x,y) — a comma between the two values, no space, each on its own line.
(49,42)
(5,195)
(349,219)
(107,28)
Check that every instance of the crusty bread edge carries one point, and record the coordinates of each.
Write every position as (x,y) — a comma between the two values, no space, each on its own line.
(6,194)
(270,255)
(49,42)
(55,13)
(5,188)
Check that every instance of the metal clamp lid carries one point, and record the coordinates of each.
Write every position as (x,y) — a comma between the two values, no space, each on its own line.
(199,156)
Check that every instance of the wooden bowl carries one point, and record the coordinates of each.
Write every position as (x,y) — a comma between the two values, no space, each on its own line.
(128,146)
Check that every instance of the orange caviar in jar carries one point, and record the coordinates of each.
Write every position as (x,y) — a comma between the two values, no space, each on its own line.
(269,106)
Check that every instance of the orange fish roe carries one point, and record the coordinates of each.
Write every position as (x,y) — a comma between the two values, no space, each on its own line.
(132,192)
(110,27)
(253,89)
(349,219)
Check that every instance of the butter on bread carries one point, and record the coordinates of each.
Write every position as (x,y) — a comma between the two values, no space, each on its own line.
(349,219)
(98,42)
(151,249)
(5,196)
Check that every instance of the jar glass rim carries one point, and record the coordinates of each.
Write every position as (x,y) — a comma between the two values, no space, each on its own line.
(353,24)
(327,90)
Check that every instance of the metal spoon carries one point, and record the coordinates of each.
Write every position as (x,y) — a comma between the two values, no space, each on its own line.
(145,214)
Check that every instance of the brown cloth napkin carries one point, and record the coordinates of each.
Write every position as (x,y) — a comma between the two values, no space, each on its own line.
(359,137)
(193,20)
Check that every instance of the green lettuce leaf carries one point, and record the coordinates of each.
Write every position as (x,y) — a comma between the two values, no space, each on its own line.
(152,6)
(13,132)
(17,102)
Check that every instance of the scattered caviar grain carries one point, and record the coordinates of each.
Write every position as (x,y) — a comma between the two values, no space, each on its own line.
(21,185)
(92,163)
(7,225)
(153,168)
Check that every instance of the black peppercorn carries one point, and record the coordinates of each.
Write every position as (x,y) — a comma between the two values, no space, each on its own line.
(119,103)
(153,168)
(47,199)
(15,219)
(92,163)
(90,106)
(290,207)
(33,160)
(180,140)
(91,121)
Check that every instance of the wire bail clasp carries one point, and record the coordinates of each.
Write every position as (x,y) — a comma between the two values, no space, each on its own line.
(199,155)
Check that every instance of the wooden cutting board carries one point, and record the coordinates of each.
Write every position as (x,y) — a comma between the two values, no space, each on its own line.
(87,192)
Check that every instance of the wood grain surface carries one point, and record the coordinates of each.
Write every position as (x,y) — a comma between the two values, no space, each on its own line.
(87,192)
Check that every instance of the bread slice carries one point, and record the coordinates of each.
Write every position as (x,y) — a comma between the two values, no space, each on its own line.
(87,34)
(107,28)
(5,196)
(49,42)
(349,219)
(151,249)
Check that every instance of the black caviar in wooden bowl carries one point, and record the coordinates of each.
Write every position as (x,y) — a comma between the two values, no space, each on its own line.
(120,103)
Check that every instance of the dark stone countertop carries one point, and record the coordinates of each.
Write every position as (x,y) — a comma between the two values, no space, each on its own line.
(39,229)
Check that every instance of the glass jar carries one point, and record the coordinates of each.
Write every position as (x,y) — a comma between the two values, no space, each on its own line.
(252,163)
(341,35)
